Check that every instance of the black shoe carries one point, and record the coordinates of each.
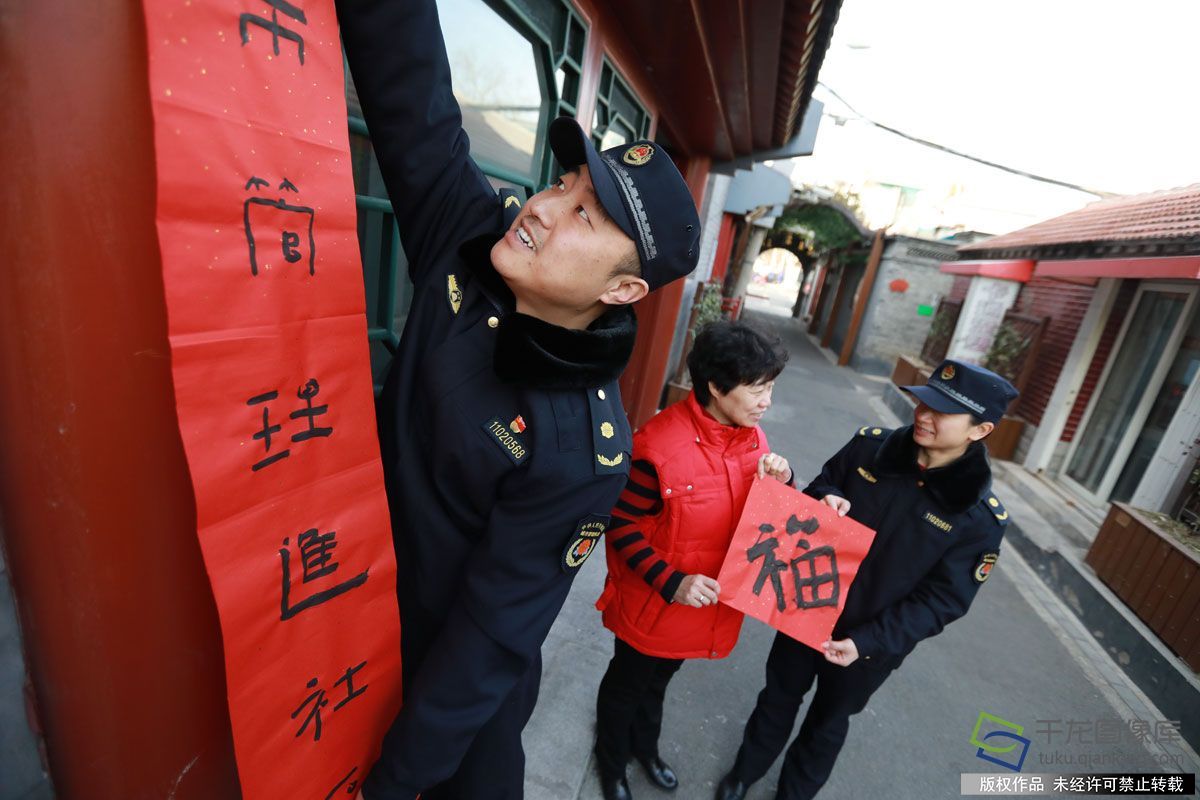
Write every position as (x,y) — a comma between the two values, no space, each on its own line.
(730,788)
(660,773)
(615,788)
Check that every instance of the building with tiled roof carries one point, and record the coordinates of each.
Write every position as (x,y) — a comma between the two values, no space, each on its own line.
(1158,223)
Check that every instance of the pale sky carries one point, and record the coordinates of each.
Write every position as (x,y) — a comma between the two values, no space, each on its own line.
(1093,92)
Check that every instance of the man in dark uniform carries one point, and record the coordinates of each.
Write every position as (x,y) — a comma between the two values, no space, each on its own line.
(503,438)
(926,491)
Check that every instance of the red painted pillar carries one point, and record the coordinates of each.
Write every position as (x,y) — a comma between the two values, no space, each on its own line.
(725,238)
(120,628)
(644,378)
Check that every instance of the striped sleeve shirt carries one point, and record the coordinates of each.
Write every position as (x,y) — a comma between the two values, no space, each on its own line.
(641,500)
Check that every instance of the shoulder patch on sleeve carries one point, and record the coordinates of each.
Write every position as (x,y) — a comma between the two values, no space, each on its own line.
(872,432)
(996,508)
(984,568)
(583,541)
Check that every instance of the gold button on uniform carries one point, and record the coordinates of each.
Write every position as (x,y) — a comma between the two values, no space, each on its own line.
(493,322)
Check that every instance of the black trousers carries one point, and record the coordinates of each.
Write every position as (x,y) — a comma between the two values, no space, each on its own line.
(629,707)
(841,692)
(494,766)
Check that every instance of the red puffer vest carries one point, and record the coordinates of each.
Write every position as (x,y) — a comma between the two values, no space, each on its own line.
(705,470)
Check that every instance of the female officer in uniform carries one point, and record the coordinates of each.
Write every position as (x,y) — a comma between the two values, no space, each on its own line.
(693,466)
(926,491)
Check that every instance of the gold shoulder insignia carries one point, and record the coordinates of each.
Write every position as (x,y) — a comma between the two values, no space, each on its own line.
(868,477)
(997,509)
(871,432)
(607,431)
(512,200)
(610,462)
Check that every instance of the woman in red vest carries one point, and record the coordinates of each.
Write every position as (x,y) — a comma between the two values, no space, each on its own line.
(693,466)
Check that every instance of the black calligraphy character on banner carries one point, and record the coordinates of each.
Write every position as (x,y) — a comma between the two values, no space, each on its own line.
(306,393)
(318,701)
(350,788)
(316,558)
(794,525)
(821,564)
(267,431)
(262,217)
(771,566)
(272,25)
(348,679)
(816,578)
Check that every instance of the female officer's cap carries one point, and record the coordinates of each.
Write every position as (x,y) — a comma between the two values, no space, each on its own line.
(958,388)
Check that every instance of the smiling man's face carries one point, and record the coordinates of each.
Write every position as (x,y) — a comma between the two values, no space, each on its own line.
(561,253)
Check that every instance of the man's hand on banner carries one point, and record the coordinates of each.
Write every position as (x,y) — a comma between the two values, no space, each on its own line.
(776,466)
(697,591)
(842,652)
(839,504)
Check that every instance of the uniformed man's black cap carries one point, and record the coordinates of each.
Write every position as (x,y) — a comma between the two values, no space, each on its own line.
(958,388)
(643,192)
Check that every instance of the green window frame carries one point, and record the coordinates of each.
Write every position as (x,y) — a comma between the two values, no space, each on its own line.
(559,36)
(618,109)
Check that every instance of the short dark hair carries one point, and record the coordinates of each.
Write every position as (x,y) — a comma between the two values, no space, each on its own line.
(730,354)
(631,264)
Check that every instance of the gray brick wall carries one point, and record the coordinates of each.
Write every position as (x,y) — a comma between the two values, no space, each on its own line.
(891,326)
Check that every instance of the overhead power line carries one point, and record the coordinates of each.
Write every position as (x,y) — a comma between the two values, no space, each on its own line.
(959,153)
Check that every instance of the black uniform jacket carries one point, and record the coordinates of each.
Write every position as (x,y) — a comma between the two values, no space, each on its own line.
(503,438)
(938,534)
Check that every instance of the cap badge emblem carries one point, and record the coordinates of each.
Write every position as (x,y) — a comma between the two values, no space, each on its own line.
(948,373)
(638,154)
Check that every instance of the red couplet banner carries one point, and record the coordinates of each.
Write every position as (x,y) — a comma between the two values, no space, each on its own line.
(264,291)
(792,561)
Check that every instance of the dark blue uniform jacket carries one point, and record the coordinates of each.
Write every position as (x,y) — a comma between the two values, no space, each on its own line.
(504,441)
(938,534)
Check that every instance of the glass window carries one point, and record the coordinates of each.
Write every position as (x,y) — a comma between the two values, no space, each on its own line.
(497,84)
(1153,321)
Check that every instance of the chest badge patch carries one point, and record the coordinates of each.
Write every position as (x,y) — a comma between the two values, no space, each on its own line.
(984,567)
(868,477)
(507,439)
(937,522)
(518,425)
(453,293)
(583,541)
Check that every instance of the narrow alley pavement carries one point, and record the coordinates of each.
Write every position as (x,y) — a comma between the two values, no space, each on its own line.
(1019,655)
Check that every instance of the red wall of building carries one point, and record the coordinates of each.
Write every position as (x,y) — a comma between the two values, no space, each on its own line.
(1120,308)
(958,290)
(1065,304)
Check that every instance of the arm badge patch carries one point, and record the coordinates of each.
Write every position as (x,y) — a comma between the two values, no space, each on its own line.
(583,541)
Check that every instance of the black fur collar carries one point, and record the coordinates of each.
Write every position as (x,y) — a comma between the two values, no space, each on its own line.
(957,486)
(539,355)
(534,353)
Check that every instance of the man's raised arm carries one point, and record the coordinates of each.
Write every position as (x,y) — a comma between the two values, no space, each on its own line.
(398,59)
